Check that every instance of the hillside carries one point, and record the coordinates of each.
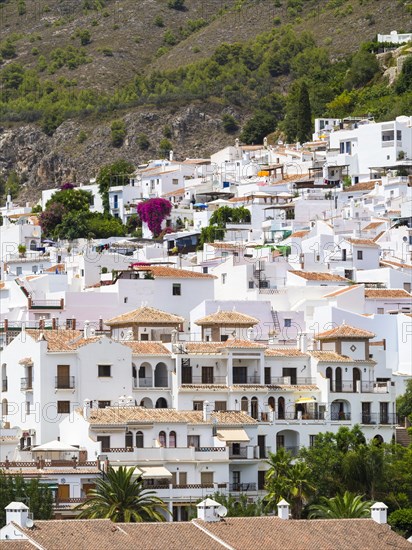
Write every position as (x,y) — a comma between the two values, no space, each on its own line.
(71,67)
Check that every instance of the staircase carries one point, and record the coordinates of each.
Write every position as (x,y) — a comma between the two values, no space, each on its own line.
(275,319)
(402,436)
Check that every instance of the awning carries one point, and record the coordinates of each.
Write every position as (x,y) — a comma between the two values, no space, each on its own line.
(234,435)
(137,471)
(55,446)
(306,400)
(155,472)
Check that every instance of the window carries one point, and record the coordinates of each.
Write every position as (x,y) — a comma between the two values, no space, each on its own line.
(206,478)
(287,322)
(312,439)
(172,439)
(197,405)
(125,300)
(27,407)
(139,440)
(205,269)
(162,438)
(360,254)
(182,478)
(128,439)
(176,289)
(70,324)
(105,441)
(63,407)
(19,270)
(103,404)
(104,371)
(224,276)
(34,269)
(193,441)
(175,181)
(220,405)
(399,135)
(381,310)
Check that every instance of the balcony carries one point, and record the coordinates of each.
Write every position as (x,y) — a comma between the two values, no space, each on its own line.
(246,379)
(379,418)
(375,387)
(64,383)
(4,385)
(293,450)
(290,381)
(340,416)
(26,384)
(199,380)
(46,304)
(242,487)
(149,383)
(238,451)
(343,386)
(311,415)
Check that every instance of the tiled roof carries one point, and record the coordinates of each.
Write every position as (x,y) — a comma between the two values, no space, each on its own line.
(330,356)
(62,340)
(293,387)
(395,264)
(372,225)
(59,267)
(298,234)
(227,318)
(317,276)
(344,331)
(146,348)
(164,272)
(276,534)
(284,352)
(145,315)
(228,246)
(362,242)
(234,343)
(121,415)
(213,348)
(341,291)
(386,293)
(175,193)
(363,186)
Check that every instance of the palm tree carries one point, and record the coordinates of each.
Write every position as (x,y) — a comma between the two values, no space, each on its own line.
(300,487)
(122,499)
(347,505)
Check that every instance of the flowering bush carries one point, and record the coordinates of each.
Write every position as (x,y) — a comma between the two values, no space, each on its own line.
(153,212)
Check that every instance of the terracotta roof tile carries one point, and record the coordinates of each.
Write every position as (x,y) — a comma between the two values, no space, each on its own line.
(363,186)
(145,315)
(344,331)
(175,192)
(362,242)
(298,234)
(213,348)
(318,276)
(284,352)
(62,340)
(164,272)
(276,534)
(341,291)
(146,348)
(59,267)
(372,225)
(227,318)
(330,356)
(386,293)
(234,343)
(395,264)
(122,415)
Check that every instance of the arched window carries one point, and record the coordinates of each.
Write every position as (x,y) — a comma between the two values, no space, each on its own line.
(139,440)
(338,374)
(244,404)
(161,403)
(172,439)
(128,440)
(330,376)
(272,402)
(162,438)
(254,408)
(281,408)
(356,377)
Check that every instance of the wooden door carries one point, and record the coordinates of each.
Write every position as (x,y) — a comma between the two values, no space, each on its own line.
(63,376)
(63,493)
(88,487)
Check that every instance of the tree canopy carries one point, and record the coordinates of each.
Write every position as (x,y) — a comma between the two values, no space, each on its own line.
(116,173)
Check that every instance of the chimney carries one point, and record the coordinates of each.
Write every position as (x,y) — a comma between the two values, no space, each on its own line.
(206,412)
(379,512)
(303,341)
(283,509)
(86,408)
(207,510)
(171,156)
(86,329)
(18,513)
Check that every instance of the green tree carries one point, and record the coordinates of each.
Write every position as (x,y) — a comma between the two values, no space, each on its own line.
(117,173)
(404,402)
(229,123)
(118,133)
(176,5)
(164,147)
(143,142)
(404,80)
(401,522)
(347,505)
(363,68)
(239,505)
(304,115)
(121,498)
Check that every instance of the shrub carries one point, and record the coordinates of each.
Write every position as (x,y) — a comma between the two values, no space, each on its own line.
(229,123)
(118,133)
(85,36)
(158,21)
(81,138)
(153,212)
(176,5)
(169,38)
(164,147)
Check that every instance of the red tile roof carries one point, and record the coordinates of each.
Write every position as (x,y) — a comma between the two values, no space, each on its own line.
(344,331)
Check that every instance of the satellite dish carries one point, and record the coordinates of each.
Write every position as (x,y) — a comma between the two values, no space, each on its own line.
(221,511)
(29,523)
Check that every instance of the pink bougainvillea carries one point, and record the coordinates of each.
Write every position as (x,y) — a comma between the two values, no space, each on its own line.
(153,212)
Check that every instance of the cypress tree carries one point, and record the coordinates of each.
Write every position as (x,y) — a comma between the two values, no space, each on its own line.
(303,115)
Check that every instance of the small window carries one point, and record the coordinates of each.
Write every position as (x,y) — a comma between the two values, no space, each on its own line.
(34,269)
(205,269)
(162,439)
(139,440)
(224,276)
(28,407)
(360,254)
(176,289)
(82,272)
(312,439)
(125,299)
(220,405)
(206,478)
(104,371)
(197,405)
(381,311)
(63,407)
(175,181)
(103,404)
(287,322)
(105,441)
(19,271)
(193,441)
(172,439)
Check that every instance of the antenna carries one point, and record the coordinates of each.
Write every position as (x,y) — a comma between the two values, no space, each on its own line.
(29,523)
(221,511)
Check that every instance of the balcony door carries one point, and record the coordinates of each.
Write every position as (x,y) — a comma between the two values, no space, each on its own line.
(63,376)
(207,375)
(240,375)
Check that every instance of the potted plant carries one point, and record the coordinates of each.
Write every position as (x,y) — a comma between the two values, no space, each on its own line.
(22,250)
